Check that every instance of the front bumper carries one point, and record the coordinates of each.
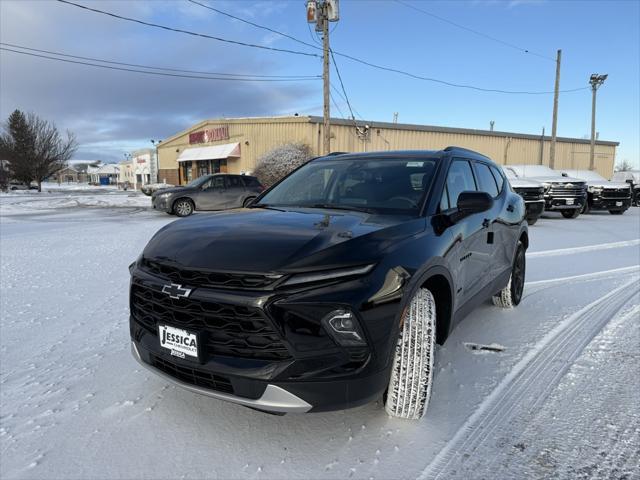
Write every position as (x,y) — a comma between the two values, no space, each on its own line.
(162,204)
(608,203)
(563,203)
(305,372)
(534,208)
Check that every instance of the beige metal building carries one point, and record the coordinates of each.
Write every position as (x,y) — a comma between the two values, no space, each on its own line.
(235,144)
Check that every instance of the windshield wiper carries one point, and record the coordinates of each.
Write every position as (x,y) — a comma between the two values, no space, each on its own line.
(342,207)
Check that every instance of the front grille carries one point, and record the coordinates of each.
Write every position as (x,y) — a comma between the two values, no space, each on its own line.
(561,190)
(228,330)
(530,194)
(616,193)
(210,279)
(193,376)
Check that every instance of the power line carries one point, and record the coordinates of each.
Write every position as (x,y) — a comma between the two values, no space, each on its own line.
(403,72)
(476,32)
(235,79)
(112,62)
(188,32)
(339,93)
(346,97)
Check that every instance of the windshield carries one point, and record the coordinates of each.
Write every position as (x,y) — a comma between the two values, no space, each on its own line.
(378,185)
(198,181)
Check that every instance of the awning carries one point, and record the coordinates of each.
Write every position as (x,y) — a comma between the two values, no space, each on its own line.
(215,152)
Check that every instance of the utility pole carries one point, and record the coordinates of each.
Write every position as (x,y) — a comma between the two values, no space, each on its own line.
(554,123)
(595,80)
(326,119)
(321,12)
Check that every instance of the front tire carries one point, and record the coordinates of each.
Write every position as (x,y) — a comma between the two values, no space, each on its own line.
(573,213)
(412,370)
(586,208)
(511,295)
(183,207)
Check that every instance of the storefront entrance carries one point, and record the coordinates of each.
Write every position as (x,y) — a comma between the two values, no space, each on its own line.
(197,168)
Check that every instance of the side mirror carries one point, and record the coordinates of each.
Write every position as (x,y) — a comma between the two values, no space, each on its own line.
(250,202)
(630,181)
(564,174)
(470,202)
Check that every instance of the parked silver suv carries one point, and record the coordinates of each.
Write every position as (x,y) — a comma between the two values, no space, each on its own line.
(566,195)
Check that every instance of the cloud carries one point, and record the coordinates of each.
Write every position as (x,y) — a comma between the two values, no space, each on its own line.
(112,112)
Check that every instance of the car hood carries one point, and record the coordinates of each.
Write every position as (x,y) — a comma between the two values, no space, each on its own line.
(172,190)
(607,184)
(266,240)
(555,179)
(522,183)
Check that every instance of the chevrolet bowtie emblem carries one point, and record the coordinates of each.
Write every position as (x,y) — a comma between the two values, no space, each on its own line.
(175,290)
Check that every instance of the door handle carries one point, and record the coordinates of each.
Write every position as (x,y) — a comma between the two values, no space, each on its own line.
(485,223)
(510,208)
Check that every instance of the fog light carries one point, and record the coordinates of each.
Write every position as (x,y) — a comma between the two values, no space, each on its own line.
(343,326)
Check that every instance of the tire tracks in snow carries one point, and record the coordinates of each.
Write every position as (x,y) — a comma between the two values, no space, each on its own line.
(583,249)
(532,379)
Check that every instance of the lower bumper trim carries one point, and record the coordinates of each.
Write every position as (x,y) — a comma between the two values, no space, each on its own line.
(274,398)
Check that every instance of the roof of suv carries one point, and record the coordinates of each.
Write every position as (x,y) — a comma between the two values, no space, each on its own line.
(406,153)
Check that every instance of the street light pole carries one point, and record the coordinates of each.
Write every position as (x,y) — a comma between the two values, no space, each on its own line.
(596,81)
(554,121)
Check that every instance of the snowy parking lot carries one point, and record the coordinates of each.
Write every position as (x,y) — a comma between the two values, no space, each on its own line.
(556,395)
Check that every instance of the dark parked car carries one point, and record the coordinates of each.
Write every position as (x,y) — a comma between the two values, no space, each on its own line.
(632,177)
(561,194)
(219,191)
(532,193)
(601,193)
(333,288)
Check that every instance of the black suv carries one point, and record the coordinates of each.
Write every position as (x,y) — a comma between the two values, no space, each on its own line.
(332,289)
(219,191)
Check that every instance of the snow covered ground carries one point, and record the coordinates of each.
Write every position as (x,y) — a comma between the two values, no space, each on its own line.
(556,397)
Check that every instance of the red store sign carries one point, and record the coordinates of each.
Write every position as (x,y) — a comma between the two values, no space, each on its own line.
(210,135)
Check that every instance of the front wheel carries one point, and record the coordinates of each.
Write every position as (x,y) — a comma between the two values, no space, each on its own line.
(571,213)
(412,370)
(511,295)
(183,207)
(585,208)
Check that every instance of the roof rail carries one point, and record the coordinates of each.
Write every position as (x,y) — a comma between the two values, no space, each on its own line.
(451,148)
(335,153)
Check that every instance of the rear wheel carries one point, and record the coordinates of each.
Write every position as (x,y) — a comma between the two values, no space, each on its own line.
(573,213)
(183,207)
(511,295)
(412,370)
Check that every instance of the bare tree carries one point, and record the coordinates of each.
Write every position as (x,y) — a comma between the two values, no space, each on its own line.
(281,161)
(34,148)
(624,166)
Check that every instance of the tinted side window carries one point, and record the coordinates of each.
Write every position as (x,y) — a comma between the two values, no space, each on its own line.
(459,179)
(486,180)
(217,182)
(250,181)
(499,178)
(234,182)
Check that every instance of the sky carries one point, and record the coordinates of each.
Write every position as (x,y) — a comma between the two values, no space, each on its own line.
(114,112)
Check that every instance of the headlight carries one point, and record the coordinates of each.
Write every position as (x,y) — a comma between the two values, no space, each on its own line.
(327,275)
(164,196)
(594,189)
(343,326)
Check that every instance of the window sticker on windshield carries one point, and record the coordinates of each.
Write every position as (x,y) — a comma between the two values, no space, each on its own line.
(415,164)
